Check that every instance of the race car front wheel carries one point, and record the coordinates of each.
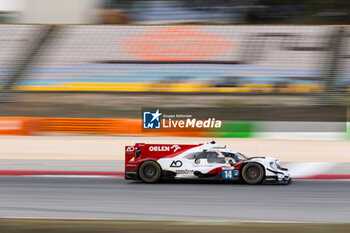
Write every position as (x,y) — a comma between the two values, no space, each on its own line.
(253,173)
(150,172)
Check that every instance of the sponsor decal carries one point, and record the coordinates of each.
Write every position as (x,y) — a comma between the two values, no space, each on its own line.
(159,148)
(197,161)
(174,148)
(131,172)
(130,148)
(176,163)
(185,171)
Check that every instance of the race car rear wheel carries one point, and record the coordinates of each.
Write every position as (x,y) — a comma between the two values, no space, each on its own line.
(150,172)
(253,173)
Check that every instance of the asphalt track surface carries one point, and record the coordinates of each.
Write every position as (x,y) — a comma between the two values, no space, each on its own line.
(115,198)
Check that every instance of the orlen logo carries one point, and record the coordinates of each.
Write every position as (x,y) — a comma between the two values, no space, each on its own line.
(165,148)
(176,147)
(130,148)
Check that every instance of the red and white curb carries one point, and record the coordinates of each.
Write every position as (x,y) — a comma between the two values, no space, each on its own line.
(90,174)
(325,177)
(61,173)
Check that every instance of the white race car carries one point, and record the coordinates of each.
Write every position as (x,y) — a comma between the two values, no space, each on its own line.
(152,162)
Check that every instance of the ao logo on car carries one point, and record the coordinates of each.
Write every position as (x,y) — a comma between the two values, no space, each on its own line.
(130,148)
(176,163)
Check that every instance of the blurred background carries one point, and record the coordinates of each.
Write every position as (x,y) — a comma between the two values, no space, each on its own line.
(109,59)
(173,47)
(276,72)
(175,11)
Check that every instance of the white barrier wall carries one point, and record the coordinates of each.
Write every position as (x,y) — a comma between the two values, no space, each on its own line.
(59,11)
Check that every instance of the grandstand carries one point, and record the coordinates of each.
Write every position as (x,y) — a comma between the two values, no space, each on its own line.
(178,59)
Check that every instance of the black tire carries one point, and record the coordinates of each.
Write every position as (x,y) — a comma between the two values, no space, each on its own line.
(150,171)
(253,173)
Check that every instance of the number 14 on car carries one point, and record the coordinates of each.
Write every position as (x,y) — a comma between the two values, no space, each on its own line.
(228,174)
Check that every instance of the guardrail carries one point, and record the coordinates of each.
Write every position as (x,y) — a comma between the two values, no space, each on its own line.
(18,126)
(133,127)
(123,126)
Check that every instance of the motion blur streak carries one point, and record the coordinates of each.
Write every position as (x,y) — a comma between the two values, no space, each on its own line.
(316,201)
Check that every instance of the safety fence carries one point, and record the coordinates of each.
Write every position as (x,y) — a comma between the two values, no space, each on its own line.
(39,125)
(214,59)
(133,127)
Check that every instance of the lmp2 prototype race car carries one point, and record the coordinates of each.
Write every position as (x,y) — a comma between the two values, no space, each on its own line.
(152,162)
